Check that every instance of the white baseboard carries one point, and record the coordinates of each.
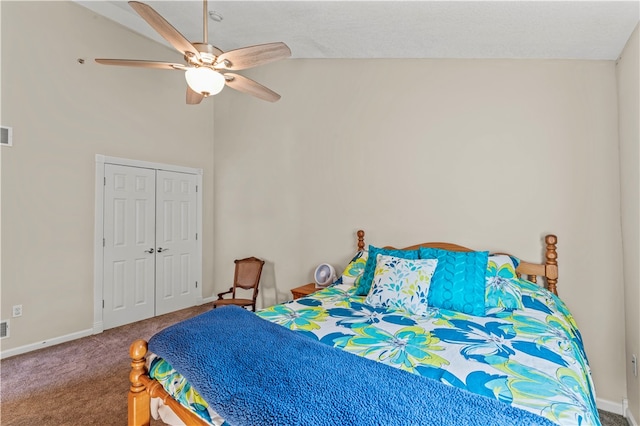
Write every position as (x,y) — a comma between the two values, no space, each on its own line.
(98,327)
(45,343)
(617,408)
(629,416)
(610,406)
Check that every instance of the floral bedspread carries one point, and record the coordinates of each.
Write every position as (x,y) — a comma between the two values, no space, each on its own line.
(531,358)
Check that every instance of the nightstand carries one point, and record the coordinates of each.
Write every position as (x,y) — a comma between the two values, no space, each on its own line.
(304,290)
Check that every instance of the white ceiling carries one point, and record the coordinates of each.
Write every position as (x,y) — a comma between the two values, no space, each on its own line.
(400,29)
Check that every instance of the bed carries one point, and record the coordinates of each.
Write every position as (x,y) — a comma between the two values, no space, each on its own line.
(510,353)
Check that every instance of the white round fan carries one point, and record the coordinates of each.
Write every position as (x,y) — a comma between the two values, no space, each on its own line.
(324,275)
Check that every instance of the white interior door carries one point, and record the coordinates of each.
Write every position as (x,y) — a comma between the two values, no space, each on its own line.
(129,244)
(176,234)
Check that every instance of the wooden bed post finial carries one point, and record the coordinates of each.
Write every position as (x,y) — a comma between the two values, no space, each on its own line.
(360,240)
(551,263)
(139,413)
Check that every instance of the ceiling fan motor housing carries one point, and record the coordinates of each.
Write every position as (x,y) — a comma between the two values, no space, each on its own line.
(208,54)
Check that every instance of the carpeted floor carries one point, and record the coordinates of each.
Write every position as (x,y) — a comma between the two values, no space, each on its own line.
(610,419)
(85,382)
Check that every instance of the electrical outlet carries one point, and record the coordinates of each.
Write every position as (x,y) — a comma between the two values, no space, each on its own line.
(634,361)
(17,311)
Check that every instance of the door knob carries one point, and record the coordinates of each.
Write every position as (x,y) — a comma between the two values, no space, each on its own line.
(160,249)
(149,251)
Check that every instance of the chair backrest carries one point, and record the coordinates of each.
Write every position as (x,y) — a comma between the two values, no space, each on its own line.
(247,275)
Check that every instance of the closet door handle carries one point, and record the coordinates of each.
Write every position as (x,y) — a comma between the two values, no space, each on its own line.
(149,251)
(160,249)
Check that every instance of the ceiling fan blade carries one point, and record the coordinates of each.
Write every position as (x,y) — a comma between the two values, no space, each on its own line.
(164,28)
(252,56)
(246,85)
(142,64)
(193,97)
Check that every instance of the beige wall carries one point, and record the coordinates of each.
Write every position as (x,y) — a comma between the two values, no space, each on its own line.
(628,74)
(491,154)
(63,114)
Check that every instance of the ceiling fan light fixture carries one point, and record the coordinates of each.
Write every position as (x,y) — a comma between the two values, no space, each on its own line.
(204,80)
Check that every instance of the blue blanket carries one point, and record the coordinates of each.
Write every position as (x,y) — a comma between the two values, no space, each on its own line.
(254,372)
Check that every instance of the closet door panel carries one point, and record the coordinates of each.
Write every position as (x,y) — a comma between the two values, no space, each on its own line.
(176,241)
(129,245)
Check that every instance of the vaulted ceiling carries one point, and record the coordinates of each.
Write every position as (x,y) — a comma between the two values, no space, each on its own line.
(401,29)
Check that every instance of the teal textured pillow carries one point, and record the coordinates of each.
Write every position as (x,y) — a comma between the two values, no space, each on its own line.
(364,285)
(458,283)
(502,286)
(401,284)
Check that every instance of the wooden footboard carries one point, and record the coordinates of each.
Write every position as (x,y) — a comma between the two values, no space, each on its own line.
(143,388)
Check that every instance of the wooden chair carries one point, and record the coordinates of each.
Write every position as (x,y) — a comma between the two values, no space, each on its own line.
(247,277)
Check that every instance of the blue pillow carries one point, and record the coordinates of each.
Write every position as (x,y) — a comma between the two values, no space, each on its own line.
(458,283)
(364,285)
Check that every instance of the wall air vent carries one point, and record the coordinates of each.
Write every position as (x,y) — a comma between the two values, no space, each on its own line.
(4,329)
(6,136)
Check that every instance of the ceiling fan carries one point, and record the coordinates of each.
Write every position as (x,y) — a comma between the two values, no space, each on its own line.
(206,64)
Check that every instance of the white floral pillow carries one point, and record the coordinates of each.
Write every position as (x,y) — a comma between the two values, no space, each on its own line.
(355,268)
(401,283)
(502,288)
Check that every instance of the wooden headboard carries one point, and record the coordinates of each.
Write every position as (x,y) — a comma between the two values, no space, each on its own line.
(547,270)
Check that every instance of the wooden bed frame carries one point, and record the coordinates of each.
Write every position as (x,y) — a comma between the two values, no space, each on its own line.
(143,388)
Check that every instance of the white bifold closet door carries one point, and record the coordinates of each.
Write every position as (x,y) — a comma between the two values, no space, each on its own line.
(149,243)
